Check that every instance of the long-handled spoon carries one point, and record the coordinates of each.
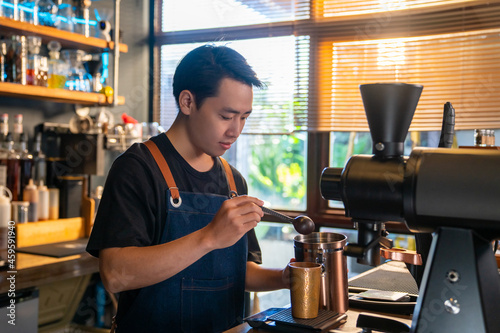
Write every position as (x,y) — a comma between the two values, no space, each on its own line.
(303,224)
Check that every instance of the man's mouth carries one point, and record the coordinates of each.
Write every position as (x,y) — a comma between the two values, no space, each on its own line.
(225,145)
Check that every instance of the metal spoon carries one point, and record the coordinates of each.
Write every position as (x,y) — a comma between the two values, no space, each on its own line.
(303,224)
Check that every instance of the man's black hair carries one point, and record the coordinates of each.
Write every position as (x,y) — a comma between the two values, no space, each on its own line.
(202,70)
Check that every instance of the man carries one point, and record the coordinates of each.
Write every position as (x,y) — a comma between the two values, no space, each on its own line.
(169,239)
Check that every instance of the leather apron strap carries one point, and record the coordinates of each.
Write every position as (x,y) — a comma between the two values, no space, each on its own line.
(169,179)
(230,178)
(165,170)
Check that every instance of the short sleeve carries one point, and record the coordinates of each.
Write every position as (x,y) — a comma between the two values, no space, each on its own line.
(129,208)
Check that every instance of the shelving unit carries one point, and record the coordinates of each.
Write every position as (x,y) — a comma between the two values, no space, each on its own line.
(56,95)
(67,40)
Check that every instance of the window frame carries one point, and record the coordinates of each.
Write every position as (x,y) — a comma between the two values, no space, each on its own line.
(320,31)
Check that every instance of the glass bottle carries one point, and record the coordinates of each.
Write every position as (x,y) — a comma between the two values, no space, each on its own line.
(65,17)
(12,160)
(3,55)
(17,129)
(25,163)
(78,78)
(16,59)
(58,69)
(10,9)
(39,161)
(47,12)
(28,11)
(82,14)
(3,157)
(4,127)
(37,69)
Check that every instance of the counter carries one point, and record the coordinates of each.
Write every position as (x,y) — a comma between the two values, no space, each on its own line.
(45,291)
(35,270)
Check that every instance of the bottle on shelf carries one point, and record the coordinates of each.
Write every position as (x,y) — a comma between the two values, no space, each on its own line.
(17,128)
(25,161)
(28,11)
(10,9)
(58,68)
(65,16)
(78,78)
(4,128)
(39,161)
(37,69)
(43,202)
(15,60)
(81,9)
(47,12)
(11,159)
(30,194)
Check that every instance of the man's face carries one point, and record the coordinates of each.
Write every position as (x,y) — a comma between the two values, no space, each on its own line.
(217,123)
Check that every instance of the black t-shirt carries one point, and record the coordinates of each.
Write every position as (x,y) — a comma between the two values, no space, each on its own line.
(133,211)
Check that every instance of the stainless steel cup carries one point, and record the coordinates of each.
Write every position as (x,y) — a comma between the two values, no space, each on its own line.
(305,285)
(327,249)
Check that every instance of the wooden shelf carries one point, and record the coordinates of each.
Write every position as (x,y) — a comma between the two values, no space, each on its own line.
(66,38)
(56,95)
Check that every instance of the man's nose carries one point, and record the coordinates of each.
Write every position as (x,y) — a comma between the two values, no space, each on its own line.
(235,128)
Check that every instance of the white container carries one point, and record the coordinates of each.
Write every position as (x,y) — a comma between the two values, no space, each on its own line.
(43,202)
(4,215)
(5,208)
(53,203)
(30,194)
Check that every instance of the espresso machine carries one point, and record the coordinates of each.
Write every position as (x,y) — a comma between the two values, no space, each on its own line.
(452,193)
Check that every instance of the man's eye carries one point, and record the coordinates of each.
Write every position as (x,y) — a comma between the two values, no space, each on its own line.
(225,118)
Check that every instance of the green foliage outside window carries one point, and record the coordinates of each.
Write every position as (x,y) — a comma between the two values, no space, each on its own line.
(277,169)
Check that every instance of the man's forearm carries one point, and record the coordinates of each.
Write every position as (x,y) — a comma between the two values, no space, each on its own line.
(136,267)
(264,279)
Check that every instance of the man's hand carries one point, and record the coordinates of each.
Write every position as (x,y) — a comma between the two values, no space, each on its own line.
(234,219)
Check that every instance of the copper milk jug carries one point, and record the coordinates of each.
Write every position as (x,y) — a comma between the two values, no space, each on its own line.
(327,249)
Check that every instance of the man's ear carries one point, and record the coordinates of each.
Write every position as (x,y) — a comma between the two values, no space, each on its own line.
(186,102)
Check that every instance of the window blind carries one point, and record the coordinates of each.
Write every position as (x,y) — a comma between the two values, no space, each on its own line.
(450,47)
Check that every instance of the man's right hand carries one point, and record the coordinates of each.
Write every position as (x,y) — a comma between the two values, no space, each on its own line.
(234,219)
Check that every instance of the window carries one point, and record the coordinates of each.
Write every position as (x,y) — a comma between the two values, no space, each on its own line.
(313,55)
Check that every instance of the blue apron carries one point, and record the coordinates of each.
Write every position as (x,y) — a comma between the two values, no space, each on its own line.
(207,296)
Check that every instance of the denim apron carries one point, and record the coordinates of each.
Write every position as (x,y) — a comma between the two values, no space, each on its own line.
(207,296)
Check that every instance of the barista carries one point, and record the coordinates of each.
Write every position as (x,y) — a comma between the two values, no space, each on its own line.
(179,252)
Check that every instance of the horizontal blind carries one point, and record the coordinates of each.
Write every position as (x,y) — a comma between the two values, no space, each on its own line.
(334,8)
(448,46)
(461,66)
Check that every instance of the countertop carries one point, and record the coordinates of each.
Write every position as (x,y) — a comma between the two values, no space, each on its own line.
(35,270)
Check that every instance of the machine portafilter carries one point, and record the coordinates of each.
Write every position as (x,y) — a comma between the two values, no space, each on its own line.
(454,193)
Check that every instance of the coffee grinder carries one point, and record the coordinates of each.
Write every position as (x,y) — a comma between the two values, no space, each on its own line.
(452,193)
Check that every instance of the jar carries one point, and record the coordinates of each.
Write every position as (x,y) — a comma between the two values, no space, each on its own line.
(484,137)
